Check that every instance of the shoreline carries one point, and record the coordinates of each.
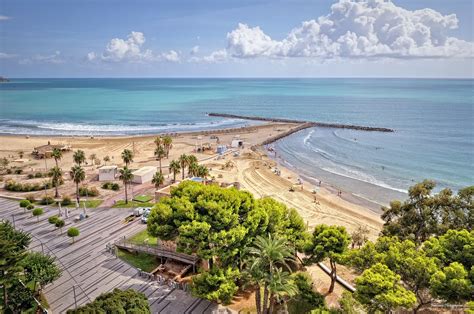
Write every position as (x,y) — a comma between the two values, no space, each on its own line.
(346,195)
(252,169)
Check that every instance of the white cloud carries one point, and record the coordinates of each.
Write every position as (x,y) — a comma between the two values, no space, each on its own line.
(131,50)
(171,56)
(194,50)
(4,18)
(217,56)
(54,58)
(358,29)
(91,56)
(6,55)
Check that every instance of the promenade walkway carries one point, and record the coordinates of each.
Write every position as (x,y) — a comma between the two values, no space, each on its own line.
(88,269)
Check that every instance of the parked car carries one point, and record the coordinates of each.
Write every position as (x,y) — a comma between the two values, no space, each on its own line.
(138,211)
(145,216)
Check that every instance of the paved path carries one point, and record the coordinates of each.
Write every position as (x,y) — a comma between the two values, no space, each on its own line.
(88,270)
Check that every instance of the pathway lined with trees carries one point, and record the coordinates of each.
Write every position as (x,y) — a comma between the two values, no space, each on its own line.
(88,270)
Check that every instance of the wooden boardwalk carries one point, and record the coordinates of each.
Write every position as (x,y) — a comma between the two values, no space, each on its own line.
(88,269)
(157,250)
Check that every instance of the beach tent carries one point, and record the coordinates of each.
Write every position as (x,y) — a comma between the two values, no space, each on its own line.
(144,174)
(107,173)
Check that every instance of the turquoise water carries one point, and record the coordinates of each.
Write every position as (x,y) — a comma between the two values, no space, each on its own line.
(433,120)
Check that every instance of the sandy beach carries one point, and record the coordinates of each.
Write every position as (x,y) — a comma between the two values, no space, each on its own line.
(251,168)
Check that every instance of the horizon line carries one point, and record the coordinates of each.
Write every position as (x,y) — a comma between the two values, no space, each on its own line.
(240,77)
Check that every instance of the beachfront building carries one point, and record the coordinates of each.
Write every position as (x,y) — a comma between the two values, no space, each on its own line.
(236,143)
(144,174)
(46,151)
(107,173)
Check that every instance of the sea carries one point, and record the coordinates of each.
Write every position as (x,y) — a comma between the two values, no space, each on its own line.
(433,121)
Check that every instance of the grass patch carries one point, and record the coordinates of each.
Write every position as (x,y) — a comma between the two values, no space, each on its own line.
(139,260)
(89,204)
(140,237)
(143,198)
(121,204)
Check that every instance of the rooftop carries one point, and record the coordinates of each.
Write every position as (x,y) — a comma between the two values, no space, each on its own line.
(144,170)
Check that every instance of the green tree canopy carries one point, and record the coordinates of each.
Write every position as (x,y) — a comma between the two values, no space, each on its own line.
(328,242)
(216,222)
(40,268)
(216,285)
(378,289)
(454,246)
(117,301)
(452,284)
(423,214)
(13,245)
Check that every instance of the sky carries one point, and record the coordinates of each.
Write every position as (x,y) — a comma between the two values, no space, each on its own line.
(216,38)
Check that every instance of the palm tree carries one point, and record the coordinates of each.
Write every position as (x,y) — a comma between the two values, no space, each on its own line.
(106,159)
(158,179)
(183,160)
(160,153)
(79,157)
(127,156)
(281,287)
(168,144)
(93,157)
(193,169)
(191,160)
(57,154)
(266,256)
(56,175)
(77,175)
(126,177)
(174,168)
(158,141)
(202,171)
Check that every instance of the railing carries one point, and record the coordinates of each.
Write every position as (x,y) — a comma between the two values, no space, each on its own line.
(157,250)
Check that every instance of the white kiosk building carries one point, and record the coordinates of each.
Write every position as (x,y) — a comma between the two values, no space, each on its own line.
(144,174)
(107,173)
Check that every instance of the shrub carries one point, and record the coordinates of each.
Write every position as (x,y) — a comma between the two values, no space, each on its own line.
(30,176)
(72,233)
(18,171)
(117,301)
(9,171)
(30,207)
(37,212)
(111,186)
(12,185)
(53,219)
(39,175)
(305,291)
(85,191)
(31,198)
(216,285)
(66,201)
(60,224)
(24,203)
(47,200)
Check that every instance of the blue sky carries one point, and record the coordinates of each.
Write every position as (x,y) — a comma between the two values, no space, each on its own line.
(317,38)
